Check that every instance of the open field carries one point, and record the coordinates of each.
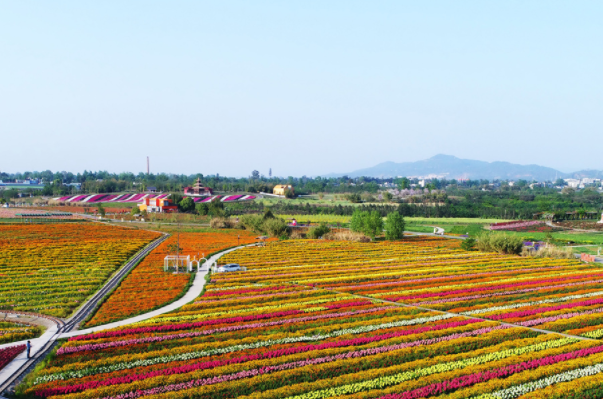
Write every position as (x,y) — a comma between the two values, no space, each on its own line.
(53,268)
(330,219)
(563,238)
(319,319)
(148,287)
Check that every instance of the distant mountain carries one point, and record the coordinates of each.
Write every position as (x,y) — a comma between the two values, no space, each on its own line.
(452,167)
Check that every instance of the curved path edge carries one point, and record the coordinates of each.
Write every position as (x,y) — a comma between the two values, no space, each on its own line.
(193,292)
(41,345)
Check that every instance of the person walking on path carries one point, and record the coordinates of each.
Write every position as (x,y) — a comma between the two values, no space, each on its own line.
(28,349)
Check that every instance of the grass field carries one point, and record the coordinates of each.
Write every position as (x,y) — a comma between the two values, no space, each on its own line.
(591,250)
(562,237)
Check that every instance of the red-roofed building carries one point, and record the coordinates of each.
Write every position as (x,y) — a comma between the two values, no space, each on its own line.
(198,190)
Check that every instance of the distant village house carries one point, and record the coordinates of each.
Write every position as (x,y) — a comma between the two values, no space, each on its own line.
(280,189)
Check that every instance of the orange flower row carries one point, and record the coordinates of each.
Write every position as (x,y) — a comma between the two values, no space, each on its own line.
(149,287)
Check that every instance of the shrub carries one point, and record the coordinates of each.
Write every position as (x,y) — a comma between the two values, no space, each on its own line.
(270,226)
(297,234)
(253,223)
(318,231)
(550,252)
(221,223)
(468,244)
(276,227)
(347,235)
(501,243)
(289,194)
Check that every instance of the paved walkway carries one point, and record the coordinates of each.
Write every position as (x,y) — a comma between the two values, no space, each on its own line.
(36,345)
(190,296)
(415,233)
(51,334)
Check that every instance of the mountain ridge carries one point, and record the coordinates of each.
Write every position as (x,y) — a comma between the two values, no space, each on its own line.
(451,167)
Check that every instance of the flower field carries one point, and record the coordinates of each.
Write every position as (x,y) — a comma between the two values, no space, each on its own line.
(52,268)
(29,212)
(322,319)
(12,332)
(532,226)
(148,286)
(8,354)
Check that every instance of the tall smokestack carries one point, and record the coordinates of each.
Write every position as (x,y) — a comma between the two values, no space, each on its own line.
(147,165)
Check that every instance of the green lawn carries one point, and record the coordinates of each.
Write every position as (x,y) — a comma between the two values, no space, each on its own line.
(452,221)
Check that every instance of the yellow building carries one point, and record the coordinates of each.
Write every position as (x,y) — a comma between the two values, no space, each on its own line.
(280,189)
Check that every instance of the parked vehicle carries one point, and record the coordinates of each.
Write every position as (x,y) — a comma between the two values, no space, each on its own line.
(231,267)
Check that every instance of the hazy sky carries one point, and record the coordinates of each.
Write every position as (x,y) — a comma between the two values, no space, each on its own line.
(304,87)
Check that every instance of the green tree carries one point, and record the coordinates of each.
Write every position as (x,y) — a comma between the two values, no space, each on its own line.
(394,226)
(403,183)
(101,210)
(373,225)
(357,221)
(202,209)
(369,223)
(176,198)
(216,208)
(354,198)
(134,211)
(187,205)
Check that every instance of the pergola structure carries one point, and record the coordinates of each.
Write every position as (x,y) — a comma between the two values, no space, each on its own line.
(178,261)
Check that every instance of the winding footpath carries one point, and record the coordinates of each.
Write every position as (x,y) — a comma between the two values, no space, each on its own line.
(41,346)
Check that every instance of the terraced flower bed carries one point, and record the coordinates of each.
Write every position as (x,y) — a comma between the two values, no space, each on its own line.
(319,319)
(12,332)
(52,268)
(148,286)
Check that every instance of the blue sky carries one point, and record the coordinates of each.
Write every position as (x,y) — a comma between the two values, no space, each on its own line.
(304,87)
